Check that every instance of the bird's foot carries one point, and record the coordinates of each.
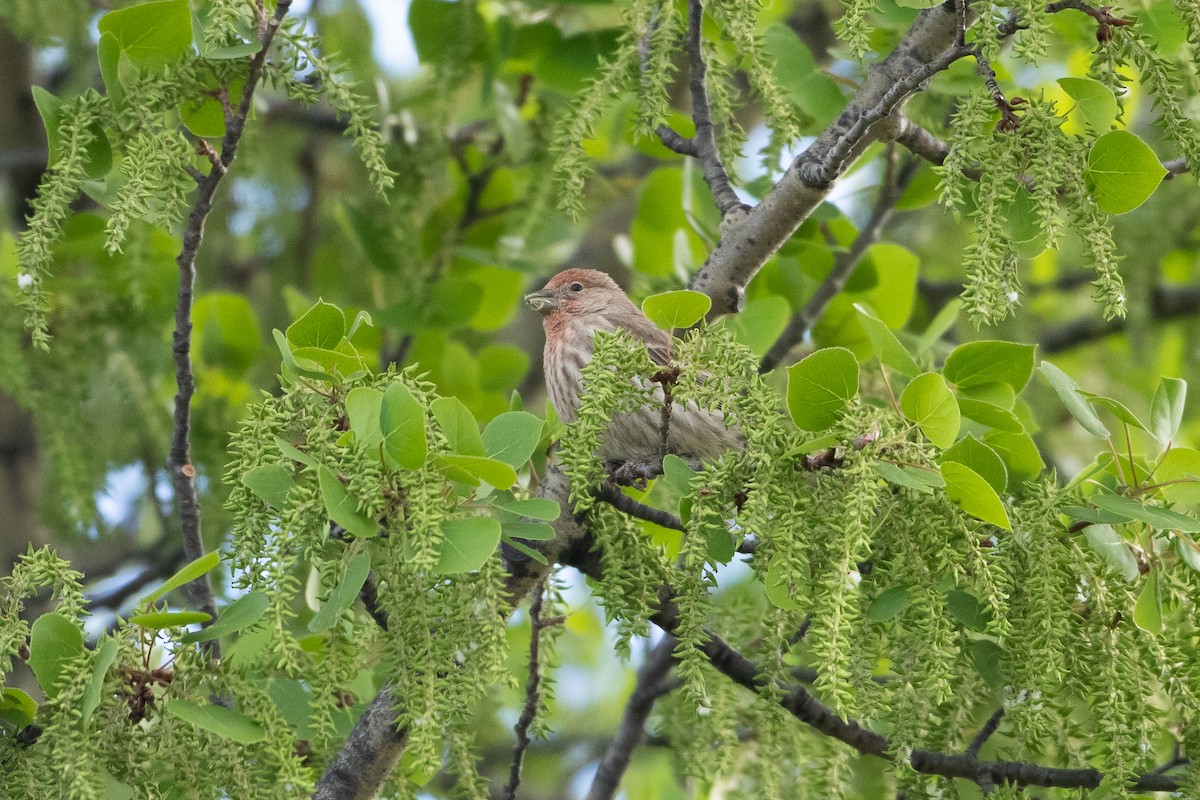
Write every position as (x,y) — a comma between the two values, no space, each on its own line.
(634,473)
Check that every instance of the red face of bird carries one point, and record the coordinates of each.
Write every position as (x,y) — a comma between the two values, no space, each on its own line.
(573,291)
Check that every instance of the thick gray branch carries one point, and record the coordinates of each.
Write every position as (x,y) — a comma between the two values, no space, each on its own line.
(652,683)
(928,48)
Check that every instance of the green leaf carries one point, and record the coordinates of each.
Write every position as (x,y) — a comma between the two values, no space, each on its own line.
(532,531)
(501,367)
(206,116)
(988,658)
(1095,102)
(1155,516)
(227,330)
(677,474)
(344,594)
(402,421)
(289,450)
(929,402)
(997,394)
(523,548)
(679,309)
(512,437)
(820,386)
(1188,550)
(292,368)
(1019,453)
(17,708)
(1115,407)
(1175,471)
(760,322)
(106,654)
(323,326)
(440,30)
(99,151)
(941,323)
(216,719)
(888,604)
(458,426)
(108,53)
(721,547)
(990,415)
(477,468)
(334,362)
(113,789)
(1122,172)
(923,480)
(982,459)
(977,363)
(190,572)
(533,507)
(1147,611)
(779,589)
(1068,392)
(970,492)
(241,613)
(1095,515)
(364,407)
(341,507)
(467,544)
(270,483)
(151,34)
(1105,540)
(967,609)
(1166,409)
(161,620)
(53,642)
(884,343)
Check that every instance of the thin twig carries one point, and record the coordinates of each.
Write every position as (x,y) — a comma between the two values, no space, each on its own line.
(844,265)
(652,683)
(532,694)
(706,141)
(676,142)
(985,733)
(670,138)
(1105,20)
(183,472)
(822,172)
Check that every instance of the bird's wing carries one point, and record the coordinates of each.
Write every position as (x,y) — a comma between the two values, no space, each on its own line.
(658,342)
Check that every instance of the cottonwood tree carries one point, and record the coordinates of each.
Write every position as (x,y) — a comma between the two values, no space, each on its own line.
(928,572)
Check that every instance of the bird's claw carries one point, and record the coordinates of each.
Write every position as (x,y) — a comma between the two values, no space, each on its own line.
(634,473)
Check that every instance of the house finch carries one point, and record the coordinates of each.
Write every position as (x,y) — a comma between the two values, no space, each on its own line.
(574,305)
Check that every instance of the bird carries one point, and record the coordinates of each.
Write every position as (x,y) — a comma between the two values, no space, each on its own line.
(575,304)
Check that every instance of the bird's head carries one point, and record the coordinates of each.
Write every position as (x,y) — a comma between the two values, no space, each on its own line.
(576,292)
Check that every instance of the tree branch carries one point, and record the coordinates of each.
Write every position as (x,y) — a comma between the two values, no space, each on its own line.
(610,494)
(926,49)
(652,683)
(921,142)
(985,733)
(375,744)
(844,265)
(705,142)
(804,706)
(183,472)
(1165,304)
(532,694)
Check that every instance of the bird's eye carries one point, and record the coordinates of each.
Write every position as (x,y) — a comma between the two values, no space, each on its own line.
(577,287)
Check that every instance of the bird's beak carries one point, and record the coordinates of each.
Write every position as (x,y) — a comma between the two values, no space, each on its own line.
(543,302)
